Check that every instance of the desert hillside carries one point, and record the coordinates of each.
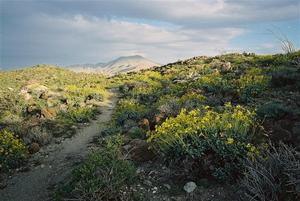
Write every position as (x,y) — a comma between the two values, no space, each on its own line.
(225,127)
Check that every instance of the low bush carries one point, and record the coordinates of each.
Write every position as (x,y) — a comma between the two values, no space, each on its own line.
(169,105)
(274,110)
(225,134)
(13,151)
(136,132)
(213,82)
(273,175)
(78,115)
(192,100)
(104,175)
(129,109)
(252,83)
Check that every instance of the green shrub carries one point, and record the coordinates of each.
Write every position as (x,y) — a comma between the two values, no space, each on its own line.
(273,175)
(227,134)
(274,110)
(136,132)
(78,115)
(128,109)
(252,83)
(192,100)
(13,151)
(103,175)
(213,82)
(168,105)
(111,130)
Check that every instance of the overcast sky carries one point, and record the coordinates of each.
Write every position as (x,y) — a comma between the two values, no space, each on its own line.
(69,32)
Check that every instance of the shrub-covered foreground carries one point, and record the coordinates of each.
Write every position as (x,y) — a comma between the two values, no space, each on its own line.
(206,115)
(273,175)
(13,151)
(195,120)
(105,175)
(42,102)
(226,135)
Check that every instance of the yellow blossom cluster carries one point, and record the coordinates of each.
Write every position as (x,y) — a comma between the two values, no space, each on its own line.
(231,126)
(12,149)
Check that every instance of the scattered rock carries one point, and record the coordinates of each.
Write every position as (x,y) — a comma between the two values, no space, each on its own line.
(144,124)
(49,113)
(33,110)
(35,89)
(140,151)
(93,102)
(225,67)
(27,96)
(159,118)
(34,147)
(51,102)
(63,108)
(190,187)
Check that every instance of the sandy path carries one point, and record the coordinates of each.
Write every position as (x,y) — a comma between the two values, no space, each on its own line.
(33,185)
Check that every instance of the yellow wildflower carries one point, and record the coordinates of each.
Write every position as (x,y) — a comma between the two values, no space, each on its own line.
(230,140)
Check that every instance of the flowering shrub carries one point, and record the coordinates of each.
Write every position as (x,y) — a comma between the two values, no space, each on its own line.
(252,83)
(192,100)
(226,134)
(12,151)
(213,82)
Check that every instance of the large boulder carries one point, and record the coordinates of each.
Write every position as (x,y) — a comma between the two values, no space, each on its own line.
(35,89)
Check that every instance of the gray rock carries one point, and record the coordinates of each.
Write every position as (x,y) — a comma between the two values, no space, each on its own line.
(190,187)
(140,151)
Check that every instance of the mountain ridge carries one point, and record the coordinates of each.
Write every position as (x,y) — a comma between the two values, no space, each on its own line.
(121,64)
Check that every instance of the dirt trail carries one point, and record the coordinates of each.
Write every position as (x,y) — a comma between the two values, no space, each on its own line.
(57,162)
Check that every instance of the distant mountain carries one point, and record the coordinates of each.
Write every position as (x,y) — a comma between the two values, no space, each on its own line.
(120,65)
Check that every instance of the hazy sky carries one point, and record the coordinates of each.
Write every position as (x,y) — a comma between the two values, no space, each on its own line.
(72,31)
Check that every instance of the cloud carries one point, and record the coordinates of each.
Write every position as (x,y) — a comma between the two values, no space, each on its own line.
(67,32)
(185,13)
(92,38)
